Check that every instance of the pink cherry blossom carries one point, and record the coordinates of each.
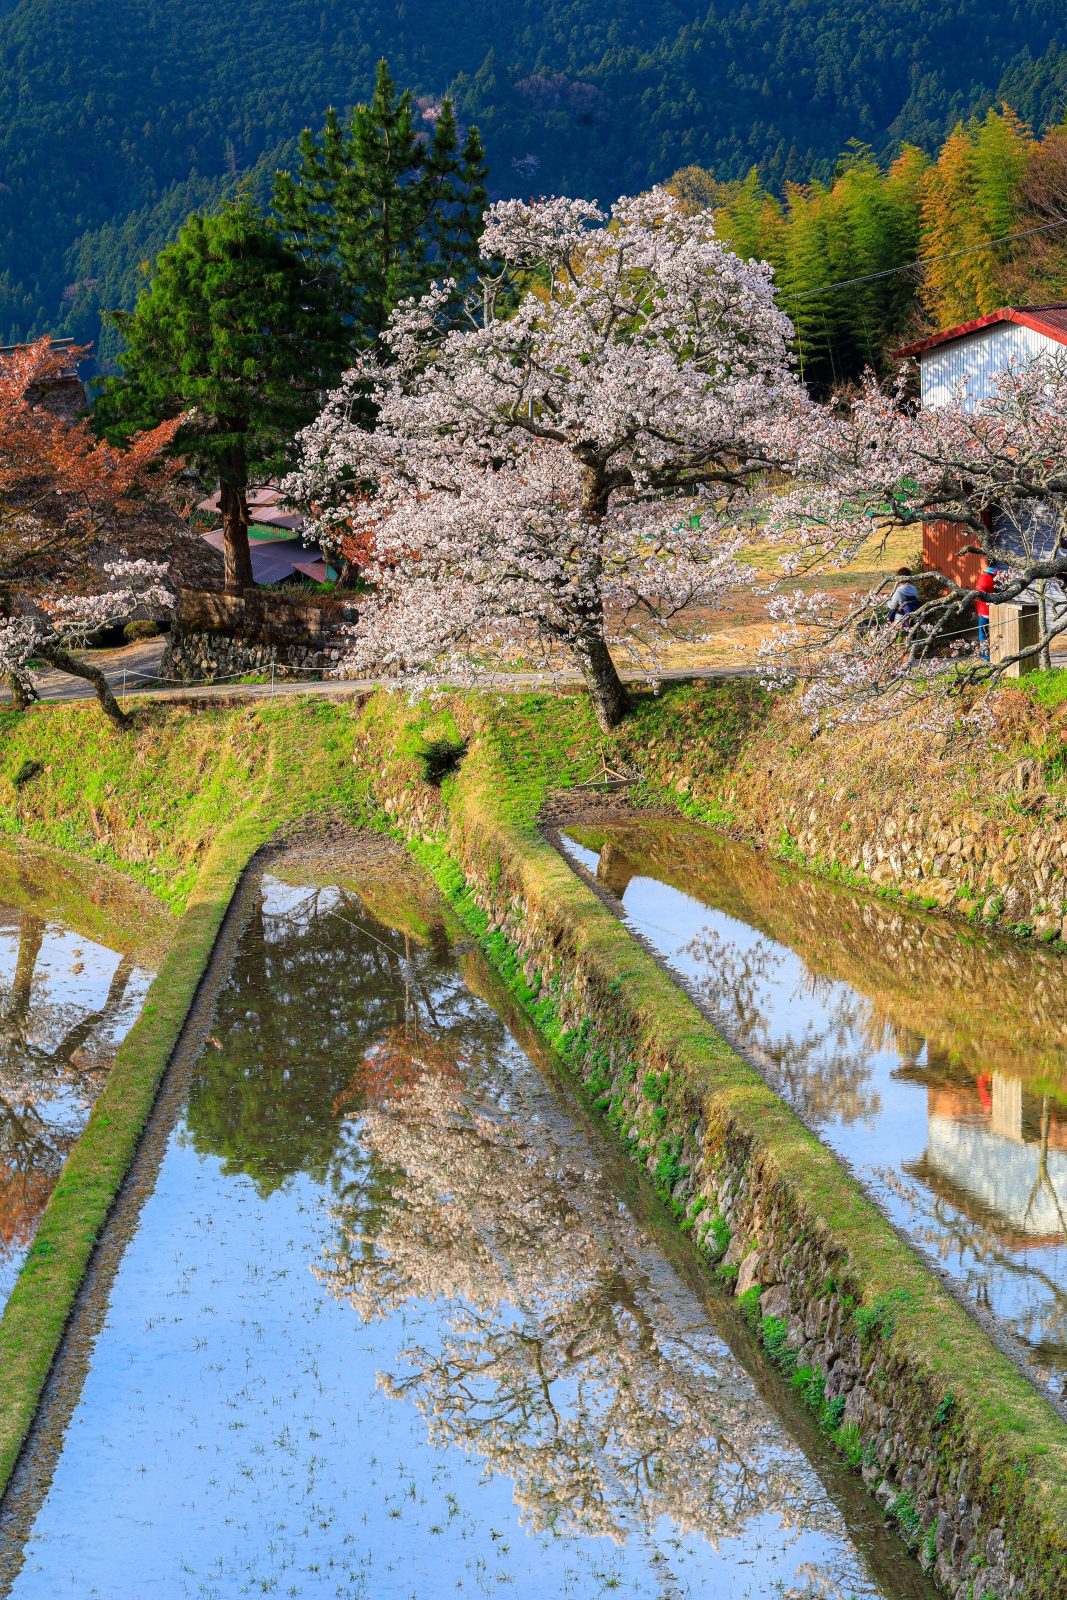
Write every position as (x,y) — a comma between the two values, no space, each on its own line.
(572,470)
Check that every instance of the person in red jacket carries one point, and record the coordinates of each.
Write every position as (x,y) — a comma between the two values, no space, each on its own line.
(985,583)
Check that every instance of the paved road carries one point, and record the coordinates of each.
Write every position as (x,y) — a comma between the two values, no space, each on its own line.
(133,671)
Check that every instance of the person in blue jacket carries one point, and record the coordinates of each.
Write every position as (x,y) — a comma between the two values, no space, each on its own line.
(904,599)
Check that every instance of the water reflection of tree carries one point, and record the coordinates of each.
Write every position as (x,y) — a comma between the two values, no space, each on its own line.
(824,1072)
(550,1361)
(989,1004)
(313,980)
(46,1087)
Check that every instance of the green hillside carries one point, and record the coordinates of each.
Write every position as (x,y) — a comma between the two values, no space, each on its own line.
(120,115)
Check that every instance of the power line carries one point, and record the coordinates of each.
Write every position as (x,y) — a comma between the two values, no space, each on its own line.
(928,261)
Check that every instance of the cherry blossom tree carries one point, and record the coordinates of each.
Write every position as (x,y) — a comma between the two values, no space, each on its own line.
(43,634)
(569,471)
(544,1355)
(865,468)
(60,490)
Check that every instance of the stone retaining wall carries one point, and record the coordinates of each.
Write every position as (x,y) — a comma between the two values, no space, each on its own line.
(196,657)
(1000,869)
(236,635)
(938,1422)
(960,823)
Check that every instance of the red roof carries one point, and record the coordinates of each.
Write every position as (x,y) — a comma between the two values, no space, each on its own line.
(1049,320)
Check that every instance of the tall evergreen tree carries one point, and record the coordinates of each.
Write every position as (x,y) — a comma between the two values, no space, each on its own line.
(234,330)
(390,208)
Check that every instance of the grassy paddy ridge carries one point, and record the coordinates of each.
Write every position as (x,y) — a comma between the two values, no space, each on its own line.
(183,801)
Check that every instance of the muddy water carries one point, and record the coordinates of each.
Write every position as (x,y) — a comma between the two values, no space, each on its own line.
(388,1324)
(77,954)
(933,1060)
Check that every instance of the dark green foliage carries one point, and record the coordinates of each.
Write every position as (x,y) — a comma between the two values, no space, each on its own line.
(119,116)
(233,330)
(907,1518)
(391,211)
(714,1236)
(811,1386)
(670,1169)
(943,1414)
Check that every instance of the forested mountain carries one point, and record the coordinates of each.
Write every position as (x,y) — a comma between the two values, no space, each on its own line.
(121,115)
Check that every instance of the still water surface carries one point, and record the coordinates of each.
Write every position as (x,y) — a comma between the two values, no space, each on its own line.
(387,1327)
(75,966)
(934,1061)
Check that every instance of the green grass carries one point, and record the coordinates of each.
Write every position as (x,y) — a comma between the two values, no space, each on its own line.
(1046,688)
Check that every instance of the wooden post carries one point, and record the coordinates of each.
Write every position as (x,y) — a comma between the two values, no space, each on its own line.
(1014,626)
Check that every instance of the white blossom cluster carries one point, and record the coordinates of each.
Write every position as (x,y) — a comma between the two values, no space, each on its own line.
(569,471)
(134,583)
(996,477)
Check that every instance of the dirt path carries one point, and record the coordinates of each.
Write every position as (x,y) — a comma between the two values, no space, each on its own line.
(133,671)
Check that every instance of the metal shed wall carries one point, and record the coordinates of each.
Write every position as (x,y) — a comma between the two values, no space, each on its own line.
(976,359)
(941,541)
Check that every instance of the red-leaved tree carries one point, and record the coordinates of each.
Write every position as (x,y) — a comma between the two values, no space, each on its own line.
(61,490)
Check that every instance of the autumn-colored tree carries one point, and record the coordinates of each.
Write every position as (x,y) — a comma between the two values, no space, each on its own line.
(972,196)
(51,462)
(61,487)
(1038,268)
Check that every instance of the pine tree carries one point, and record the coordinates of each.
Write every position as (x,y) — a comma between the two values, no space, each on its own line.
(236,331)
(390,208)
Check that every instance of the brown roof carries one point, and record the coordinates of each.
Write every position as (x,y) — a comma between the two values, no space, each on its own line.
(1050,320)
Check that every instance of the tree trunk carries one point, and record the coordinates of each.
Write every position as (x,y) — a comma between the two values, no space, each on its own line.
(606,689)
(31,938)
(63,661)
(1045,658)
(237,556)
(23,694)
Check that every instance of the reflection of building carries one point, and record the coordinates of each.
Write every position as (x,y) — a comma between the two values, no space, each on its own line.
(993,1149)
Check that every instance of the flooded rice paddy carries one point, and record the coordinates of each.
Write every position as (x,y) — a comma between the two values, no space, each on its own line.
(392,1321)
(933,1059)
(77,953)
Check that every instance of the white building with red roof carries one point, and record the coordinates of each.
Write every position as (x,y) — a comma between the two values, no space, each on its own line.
(966,359)
(972,353)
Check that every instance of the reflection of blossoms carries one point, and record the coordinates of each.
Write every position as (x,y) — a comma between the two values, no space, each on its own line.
(553,1360)
(54,1058)
(824,1072)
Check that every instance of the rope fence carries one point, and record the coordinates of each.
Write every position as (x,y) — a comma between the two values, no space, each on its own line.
(250,679)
